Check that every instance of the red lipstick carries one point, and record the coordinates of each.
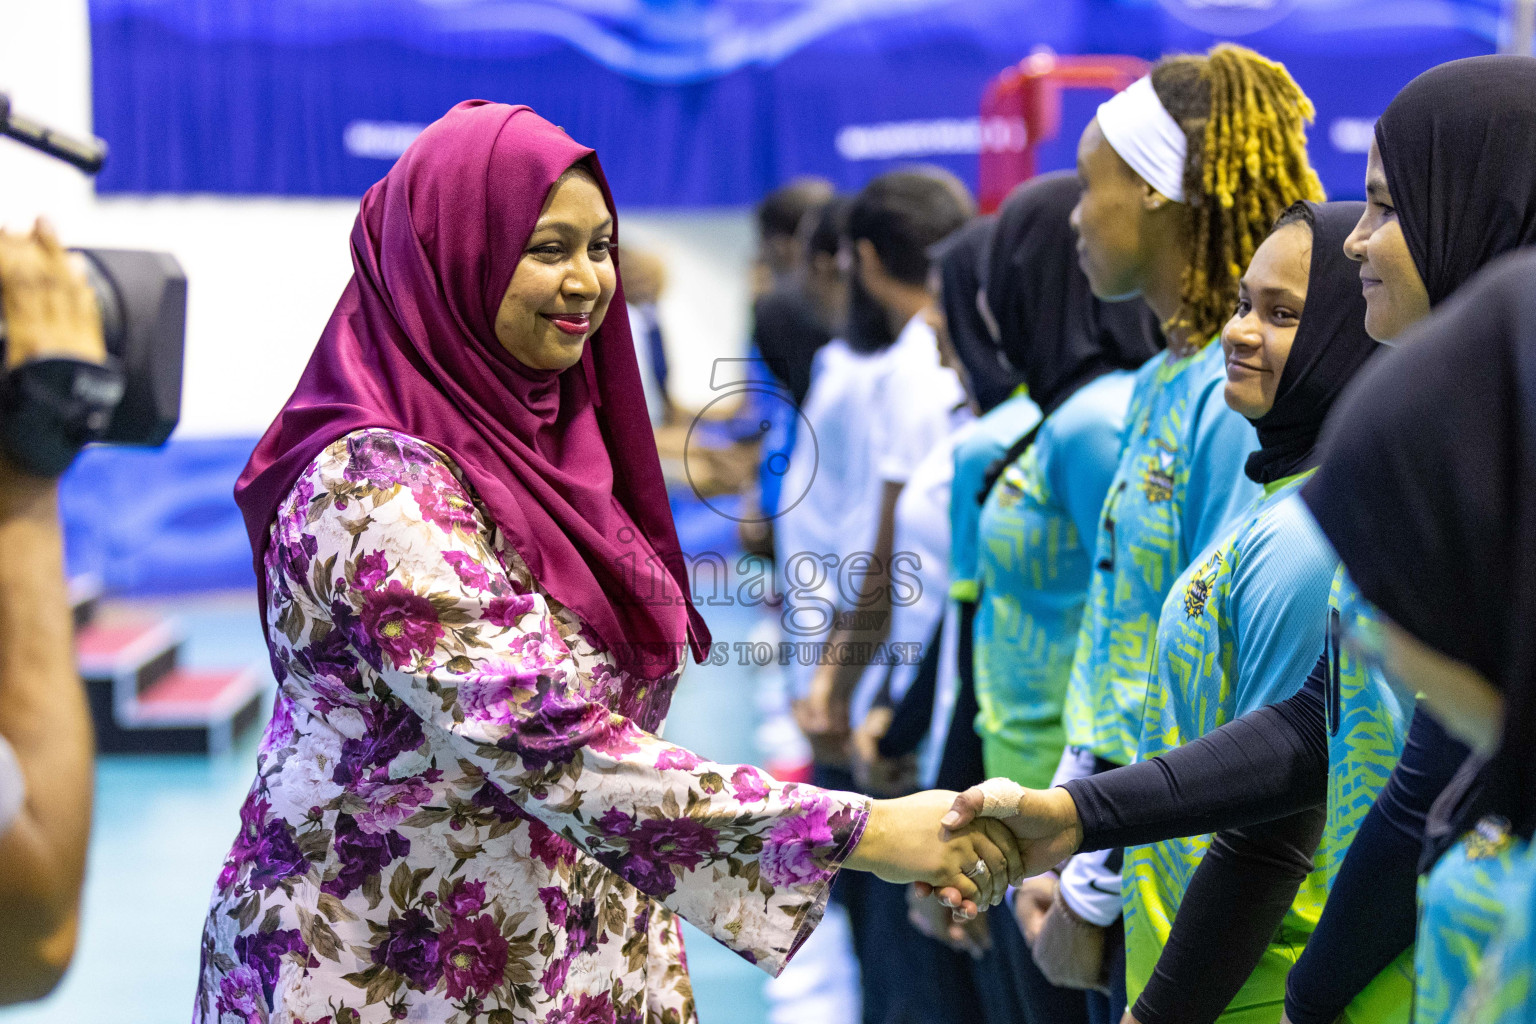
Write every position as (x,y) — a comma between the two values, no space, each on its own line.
(571,323)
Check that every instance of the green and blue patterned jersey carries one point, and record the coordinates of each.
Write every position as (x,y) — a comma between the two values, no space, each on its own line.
(1035,566)
(1178,484)
(1367,721)
(986,441)
(1461,909)
(1241,628)
(1504,991)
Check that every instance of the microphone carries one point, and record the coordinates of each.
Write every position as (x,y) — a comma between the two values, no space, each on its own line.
(87,154)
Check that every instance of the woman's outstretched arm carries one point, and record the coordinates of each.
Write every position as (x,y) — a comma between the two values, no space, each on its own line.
(394,556)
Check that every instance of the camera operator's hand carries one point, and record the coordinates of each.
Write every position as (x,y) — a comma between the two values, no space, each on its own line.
(49,308)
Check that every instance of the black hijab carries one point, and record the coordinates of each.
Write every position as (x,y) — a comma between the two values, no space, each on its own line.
(961,261)
(1330,347)
(1428,492)
(1459,149)
(1053,331)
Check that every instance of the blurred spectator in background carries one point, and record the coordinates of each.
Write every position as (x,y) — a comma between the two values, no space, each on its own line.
(645,279)
(45,725)
(779,216)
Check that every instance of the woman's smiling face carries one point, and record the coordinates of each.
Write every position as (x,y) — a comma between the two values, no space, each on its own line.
(560,291)
(1271,296)
(1395,297)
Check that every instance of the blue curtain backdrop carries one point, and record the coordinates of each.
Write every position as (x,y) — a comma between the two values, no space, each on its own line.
(690,102)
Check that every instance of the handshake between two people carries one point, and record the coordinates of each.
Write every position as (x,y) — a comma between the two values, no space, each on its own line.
(968,848)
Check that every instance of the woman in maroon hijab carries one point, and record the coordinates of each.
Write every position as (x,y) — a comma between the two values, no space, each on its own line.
(477,612)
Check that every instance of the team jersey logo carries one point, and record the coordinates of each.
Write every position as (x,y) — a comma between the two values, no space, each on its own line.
(1198,593)
(1157,481)
(1488,838)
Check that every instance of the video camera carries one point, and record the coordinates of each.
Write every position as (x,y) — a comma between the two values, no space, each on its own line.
(51,408)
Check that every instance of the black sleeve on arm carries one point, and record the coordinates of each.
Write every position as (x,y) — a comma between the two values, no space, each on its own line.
(1237,898)
(1371,912)
(914,714)
(1267,764)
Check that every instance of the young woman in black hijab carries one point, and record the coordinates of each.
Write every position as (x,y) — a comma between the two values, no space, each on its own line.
(1449,187)
(1039,522)
(1442,438)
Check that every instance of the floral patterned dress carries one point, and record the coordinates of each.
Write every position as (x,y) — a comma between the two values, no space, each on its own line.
(462,810)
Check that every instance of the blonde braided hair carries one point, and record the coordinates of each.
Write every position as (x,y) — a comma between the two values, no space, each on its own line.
(1245,119)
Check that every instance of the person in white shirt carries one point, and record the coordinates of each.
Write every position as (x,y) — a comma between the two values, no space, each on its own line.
(892,406)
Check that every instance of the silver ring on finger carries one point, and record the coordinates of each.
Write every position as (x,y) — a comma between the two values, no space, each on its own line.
(978,871)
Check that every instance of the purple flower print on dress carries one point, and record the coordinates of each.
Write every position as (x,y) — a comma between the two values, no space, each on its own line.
(508,611)
(554,725)
(588,1009)
(390,802)
(443,504)
(299,554)
(266,844)
(555,975)
(555,905)
(264,951)
(240,994)
(361,855)
(471,573)
(400,623)
(374,460)
(486,694)
(297,509)
(748,786)
(615,822)
(594,1009)
(465,899)
(679,759)
(279,731)
(411,950)
(789,852)
(474,955)
(578,926)
(393,729)
(619,737)
(549,847)
(656,844)
(372,569)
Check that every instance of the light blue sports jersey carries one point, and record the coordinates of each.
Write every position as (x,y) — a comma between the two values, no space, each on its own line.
(1034,566)
(1461,909)
(1179,484)
(985,442)
(1504,991)
(1367,721)
(1240,629)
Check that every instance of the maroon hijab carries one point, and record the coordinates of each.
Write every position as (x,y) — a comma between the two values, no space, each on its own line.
(564,461)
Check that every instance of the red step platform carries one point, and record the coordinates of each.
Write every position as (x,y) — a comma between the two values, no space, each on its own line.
(143,701)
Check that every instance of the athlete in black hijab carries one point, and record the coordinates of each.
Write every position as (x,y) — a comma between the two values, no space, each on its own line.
(1440,440)
(1330,346)
(958,264)
(1050,326)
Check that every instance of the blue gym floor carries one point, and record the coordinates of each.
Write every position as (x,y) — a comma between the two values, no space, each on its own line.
(164,823)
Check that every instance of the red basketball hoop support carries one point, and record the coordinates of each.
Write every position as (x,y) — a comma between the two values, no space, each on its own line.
(1022,109)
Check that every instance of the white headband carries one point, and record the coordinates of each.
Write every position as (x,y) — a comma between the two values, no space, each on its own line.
(1146,136)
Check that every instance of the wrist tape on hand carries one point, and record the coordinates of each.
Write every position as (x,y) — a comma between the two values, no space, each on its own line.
(1000,798)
